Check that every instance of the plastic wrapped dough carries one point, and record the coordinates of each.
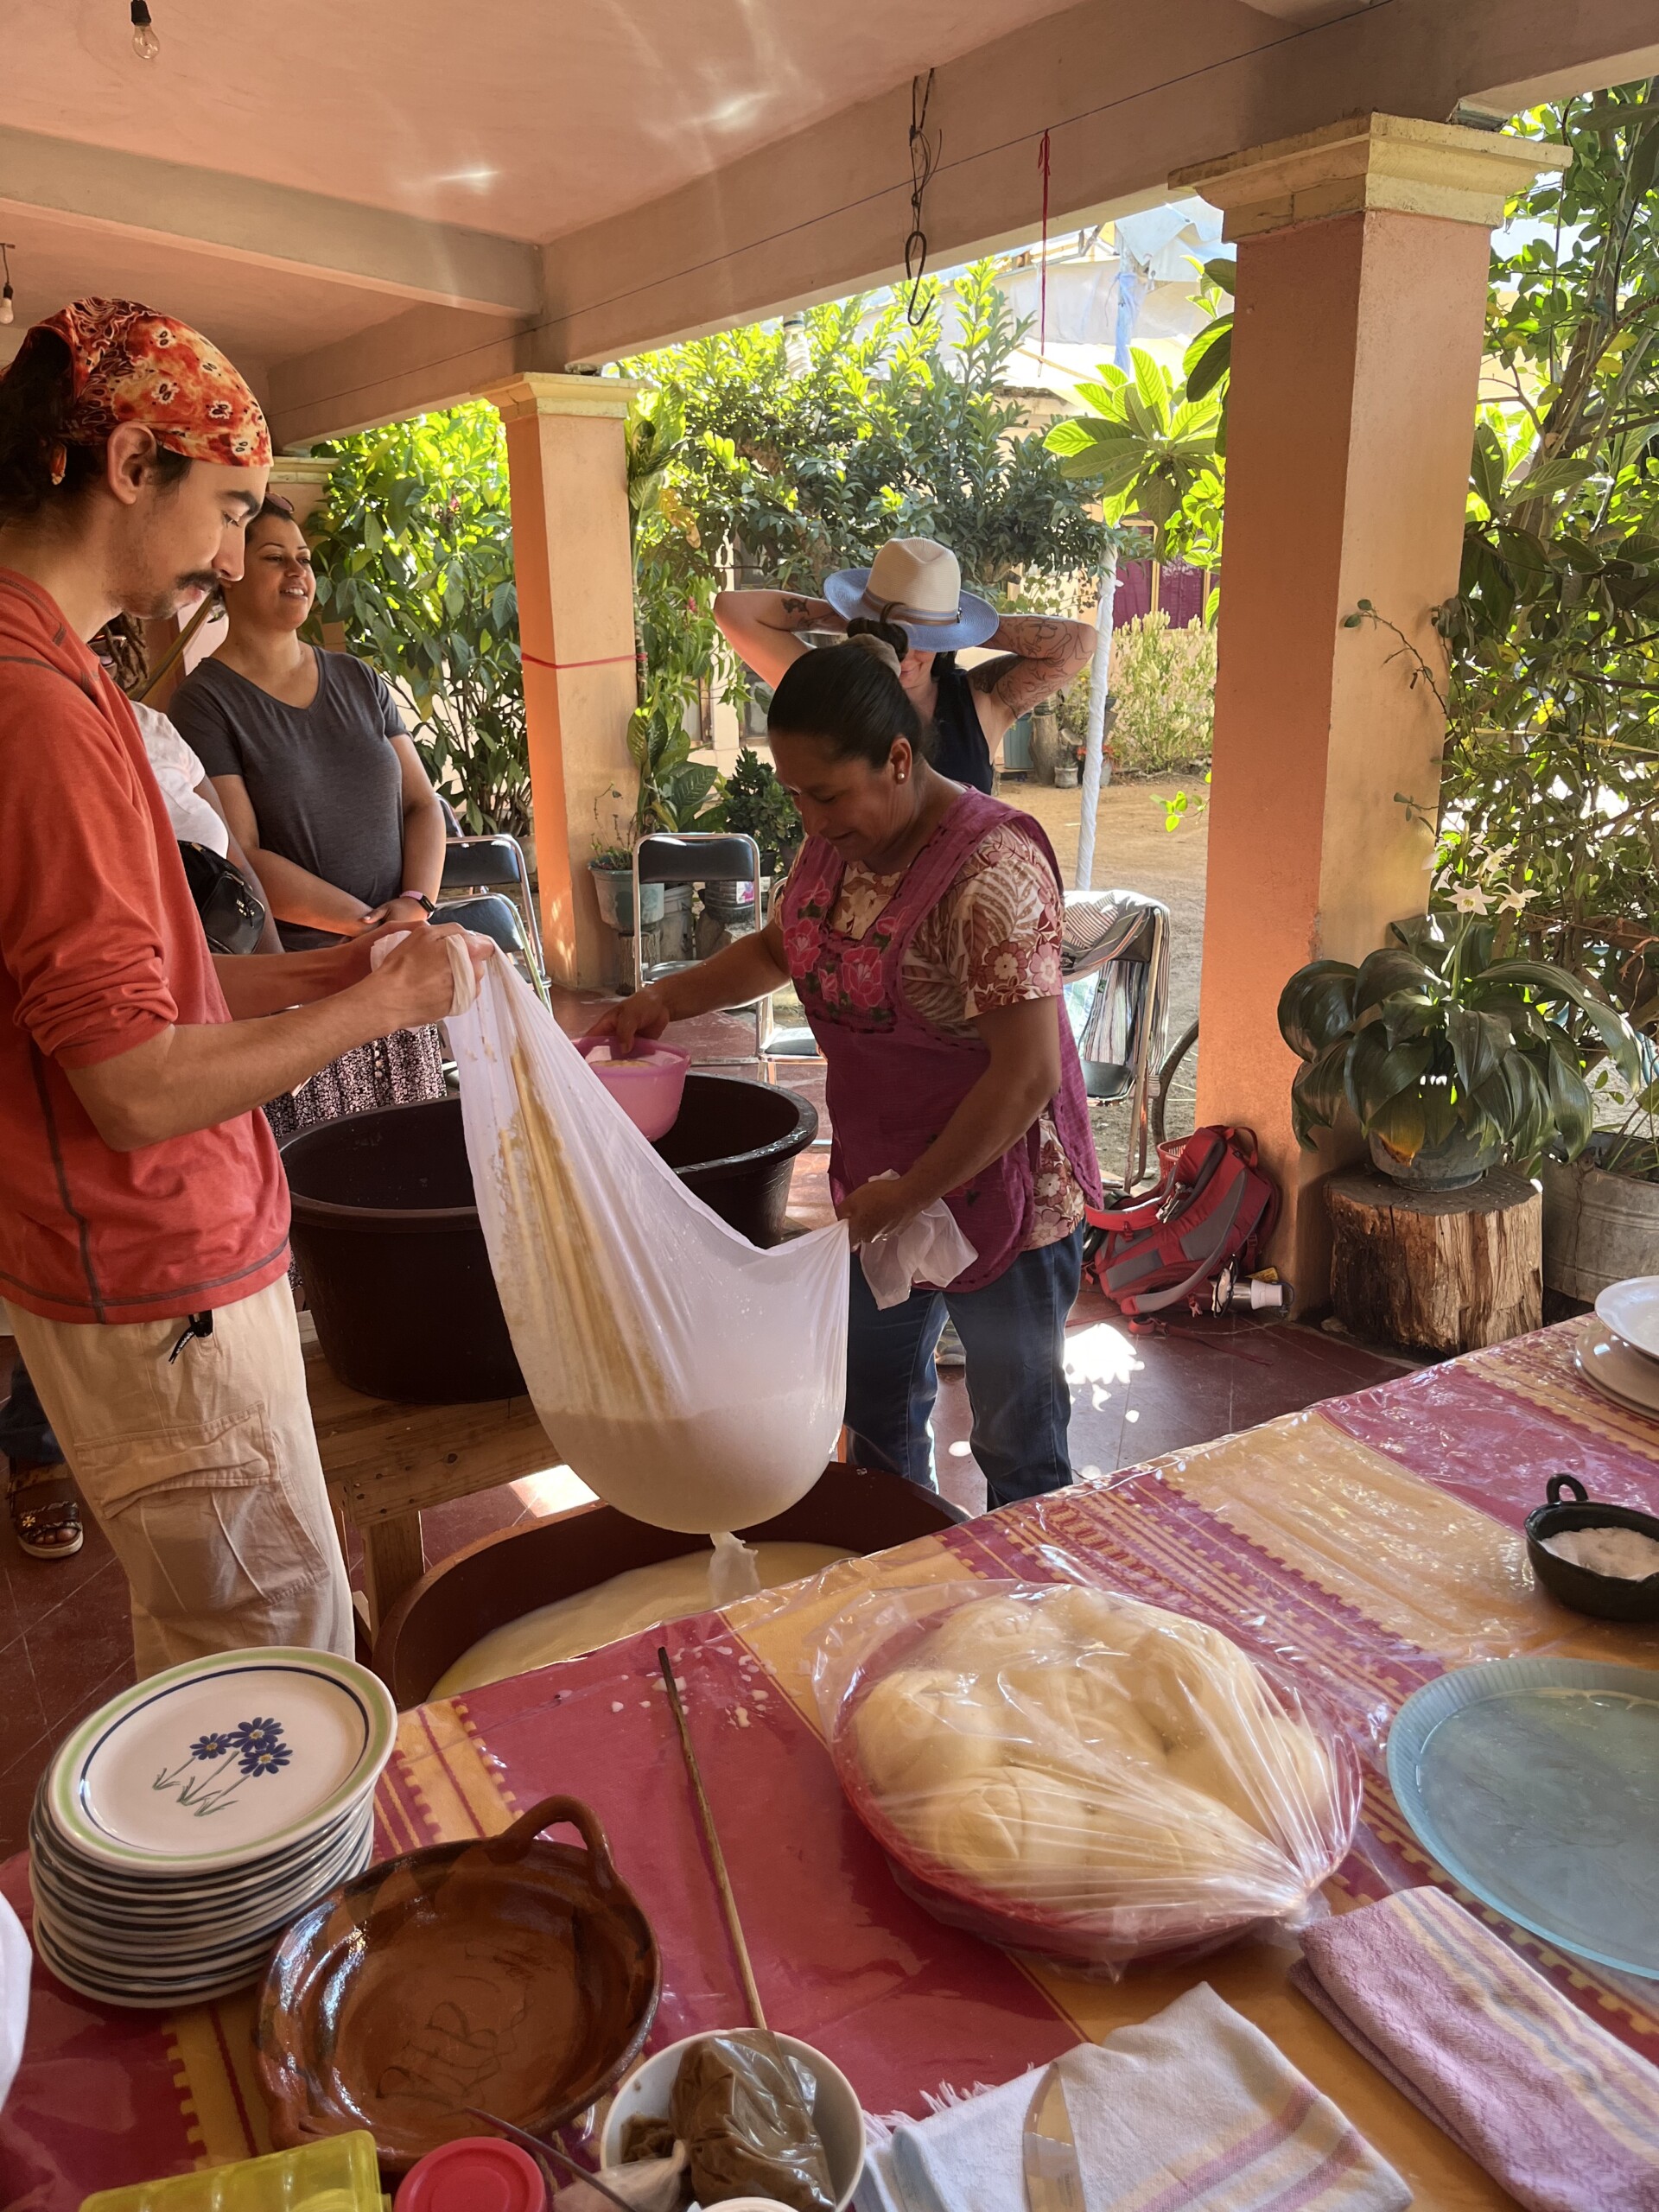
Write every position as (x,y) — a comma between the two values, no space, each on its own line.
(1079,1776)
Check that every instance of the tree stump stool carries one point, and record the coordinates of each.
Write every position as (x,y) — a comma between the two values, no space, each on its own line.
(1441,1270)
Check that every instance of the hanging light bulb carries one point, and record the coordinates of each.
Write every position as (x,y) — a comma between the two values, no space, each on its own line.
(8,312)
(145,44)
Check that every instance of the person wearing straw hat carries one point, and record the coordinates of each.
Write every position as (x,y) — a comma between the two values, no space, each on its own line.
(913,588)
(144,1209)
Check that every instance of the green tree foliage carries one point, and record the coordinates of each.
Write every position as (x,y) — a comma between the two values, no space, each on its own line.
(1552,638)
(414,558)
(1151,450)
(793,461)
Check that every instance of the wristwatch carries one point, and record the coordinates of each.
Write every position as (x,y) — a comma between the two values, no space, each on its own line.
(421,900)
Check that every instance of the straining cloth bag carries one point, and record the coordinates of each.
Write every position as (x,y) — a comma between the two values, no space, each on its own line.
(690,1379)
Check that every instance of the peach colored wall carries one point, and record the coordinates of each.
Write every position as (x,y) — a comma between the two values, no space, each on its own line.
(1356,355)
(575,601)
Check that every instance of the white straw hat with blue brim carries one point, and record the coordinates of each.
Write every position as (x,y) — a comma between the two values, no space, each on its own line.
(917,584)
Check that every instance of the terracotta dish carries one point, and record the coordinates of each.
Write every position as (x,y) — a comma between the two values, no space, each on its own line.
(513,1974)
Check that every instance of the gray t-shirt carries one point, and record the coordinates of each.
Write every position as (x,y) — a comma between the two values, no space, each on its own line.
(324,783)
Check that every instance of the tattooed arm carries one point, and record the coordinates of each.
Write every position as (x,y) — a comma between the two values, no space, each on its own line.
(763,627)
(1039,656)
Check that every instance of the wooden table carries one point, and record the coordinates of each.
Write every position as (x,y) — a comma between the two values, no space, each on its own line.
(386,1462)
(1365,1546)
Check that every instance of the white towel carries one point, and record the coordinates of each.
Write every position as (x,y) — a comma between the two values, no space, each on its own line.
(930,1250)
(1194,2107)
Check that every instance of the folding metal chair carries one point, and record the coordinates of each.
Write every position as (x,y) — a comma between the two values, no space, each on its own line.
(495,865)
(496,917)
(699,856)
(1115,961)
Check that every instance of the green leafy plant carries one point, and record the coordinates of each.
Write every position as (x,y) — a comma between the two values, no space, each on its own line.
(799,453)
(1551,676)
(1208,362)
(1150,449)
(756,803)
(1163,689)
(1433,1037)
(414,559)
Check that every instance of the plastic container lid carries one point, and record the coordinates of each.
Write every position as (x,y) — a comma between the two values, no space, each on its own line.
(479,2173)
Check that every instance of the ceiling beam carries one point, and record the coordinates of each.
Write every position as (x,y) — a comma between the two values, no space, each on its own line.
(424,358)
(269,225)
(1126,97)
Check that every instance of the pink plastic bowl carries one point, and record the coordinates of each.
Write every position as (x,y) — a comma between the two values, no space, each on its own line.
(648,1086)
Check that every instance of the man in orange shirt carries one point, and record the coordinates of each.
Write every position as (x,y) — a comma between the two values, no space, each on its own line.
(143,1210)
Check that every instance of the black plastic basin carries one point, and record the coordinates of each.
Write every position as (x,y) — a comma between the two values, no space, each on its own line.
(397,1276)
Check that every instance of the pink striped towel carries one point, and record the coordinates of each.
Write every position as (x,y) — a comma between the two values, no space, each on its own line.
(1555,2109)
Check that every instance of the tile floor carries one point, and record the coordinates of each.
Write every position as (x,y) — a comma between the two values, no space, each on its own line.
(64,1645)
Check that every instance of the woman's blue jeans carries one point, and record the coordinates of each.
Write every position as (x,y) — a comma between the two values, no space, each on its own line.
(1014,1334)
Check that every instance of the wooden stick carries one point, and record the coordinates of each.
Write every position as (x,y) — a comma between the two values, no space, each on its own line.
(540,2150)
(722,1880)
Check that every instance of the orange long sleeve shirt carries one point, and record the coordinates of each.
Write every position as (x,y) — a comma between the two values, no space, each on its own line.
(101,948)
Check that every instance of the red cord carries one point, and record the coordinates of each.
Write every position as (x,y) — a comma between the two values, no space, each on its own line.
(1042,286)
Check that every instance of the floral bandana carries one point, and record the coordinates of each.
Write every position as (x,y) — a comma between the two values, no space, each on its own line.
(130,365)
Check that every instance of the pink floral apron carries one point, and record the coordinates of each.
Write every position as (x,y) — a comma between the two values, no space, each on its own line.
(894,1081)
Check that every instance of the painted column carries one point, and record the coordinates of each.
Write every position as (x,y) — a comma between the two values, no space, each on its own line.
(572,556)
(1360,304)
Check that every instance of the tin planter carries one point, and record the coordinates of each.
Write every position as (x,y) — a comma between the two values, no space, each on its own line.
(1598,1228)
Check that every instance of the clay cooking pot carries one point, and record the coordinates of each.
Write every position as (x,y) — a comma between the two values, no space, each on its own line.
(513,1974)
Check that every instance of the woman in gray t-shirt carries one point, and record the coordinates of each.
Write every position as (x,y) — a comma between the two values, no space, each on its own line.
(323,789)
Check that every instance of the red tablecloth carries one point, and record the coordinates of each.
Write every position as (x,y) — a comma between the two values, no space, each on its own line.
(1365,1545)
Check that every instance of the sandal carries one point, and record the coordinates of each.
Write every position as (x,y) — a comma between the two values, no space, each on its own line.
(48,1528)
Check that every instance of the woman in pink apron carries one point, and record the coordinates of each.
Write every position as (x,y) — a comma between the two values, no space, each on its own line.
(921,926)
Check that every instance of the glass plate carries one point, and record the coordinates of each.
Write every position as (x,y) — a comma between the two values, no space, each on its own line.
(1535,1782)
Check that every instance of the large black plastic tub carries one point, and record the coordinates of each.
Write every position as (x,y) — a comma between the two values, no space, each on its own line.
(397,1277)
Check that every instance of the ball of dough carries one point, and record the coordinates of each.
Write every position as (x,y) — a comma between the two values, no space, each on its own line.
(979,1637)
(1078,1710)
(1087,1619)
(1022,1831)
(923,1728)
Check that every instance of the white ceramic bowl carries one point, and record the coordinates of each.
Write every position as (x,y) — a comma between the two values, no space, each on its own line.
(836,2110)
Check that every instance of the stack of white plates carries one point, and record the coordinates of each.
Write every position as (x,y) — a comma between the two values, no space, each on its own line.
(180,1829)
(1619,1351)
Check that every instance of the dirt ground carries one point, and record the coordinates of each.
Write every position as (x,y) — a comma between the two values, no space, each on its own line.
(1135,852)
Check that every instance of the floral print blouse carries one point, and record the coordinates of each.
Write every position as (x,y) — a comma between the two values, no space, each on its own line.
(994,939)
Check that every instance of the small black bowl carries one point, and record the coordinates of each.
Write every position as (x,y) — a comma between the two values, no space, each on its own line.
(1610,1596)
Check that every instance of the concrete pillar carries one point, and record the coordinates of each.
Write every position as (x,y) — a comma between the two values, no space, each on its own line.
(572,555)
(1363,255)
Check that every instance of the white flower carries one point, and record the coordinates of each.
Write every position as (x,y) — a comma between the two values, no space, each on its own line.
(1469,901)
(1513,902)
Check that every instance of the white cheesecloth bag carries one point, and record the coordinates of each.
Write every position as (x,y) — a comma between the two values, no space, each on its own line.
(690,1379)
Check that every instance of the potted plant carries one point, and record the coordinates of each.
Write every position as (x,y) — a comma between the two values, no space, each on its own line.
(752,803)
(612,869)
(1451,1060)
(673,793)
(1601,1210)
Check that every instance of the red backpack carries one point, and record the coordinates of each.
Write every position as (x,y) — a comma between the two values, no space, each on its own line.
(1215,1206)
